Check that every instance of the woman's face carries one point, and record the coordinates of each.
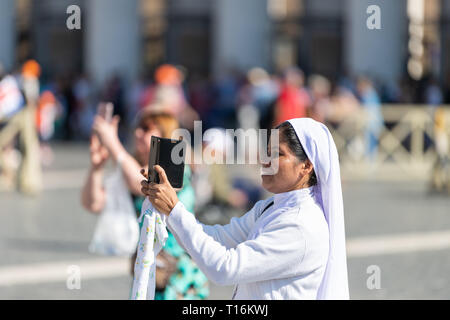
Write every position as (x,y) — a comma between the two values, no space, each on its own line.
(291,175)
(142,138)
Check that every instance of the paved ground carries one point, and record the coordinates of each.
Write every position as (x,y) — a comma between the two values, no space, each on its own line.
(396,229)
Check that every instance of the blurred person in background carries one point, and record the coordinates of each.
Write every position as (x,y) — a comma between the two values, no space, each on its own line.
(294,100)
(54,86)
(168,95)
(85,111)
(11,99)
(441,170)
(446,88)
(181,279)
(226,91)
(344,104)
(370,102)
(132,101)
(390,92)
(345,108)
(11,102)
(31,171)
(200,91)
(247,113)
(48,110)
(258,96)
(31,71)
(114,92)
(408,90)
(215,186)
(433,95)
(320,89)
(65,85)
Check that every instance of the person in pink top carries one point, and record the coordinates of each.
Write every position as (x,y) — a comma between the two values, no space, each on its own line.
(294,100)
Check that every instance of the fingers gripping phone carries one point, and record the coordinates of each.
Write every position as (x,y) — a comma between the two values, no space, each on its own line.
(170,155)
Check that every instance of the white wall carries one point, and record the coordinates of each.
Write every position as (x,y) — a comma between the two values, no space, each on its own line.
(240,34)
(112,38)
(7,33)
(377,52)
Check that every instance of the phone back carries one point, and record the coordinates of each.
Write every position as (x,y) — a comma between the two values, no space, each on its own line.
(170,155)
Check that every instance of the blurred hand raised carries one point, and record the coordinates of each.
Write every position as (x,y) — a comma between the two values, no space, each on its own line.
(99,154)
(107,132)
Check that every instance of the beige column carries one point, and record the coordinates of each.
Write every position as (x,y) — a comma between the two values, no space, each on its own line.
(241,34)
(111,28)
(379,53)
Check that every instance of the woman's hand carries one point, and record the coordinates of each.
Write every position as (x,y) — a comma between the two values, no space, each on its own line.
(162,195)
(107,132)
(99,154)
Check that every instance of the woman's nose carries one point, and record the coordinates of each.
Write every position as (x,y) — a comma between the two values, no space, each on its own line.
(266,164)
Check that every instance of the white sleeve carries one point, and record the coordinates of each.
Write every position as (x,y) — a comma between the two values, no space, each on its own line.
(276,253)
(232,234)
(236,231)
(229,235)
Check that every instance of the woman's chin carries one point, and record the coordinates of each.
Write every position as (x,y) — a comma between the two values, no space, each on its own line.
(267,181)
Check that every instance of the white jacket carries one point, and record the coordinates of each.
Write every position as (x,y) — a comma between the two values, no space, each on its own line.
(280,253)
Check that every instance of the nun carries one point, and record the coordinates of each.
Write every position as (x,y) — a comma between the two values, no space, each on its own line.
(289,246)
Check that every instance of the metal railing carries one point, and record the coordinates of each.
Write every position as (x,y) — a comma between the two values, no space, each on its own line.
(405,148)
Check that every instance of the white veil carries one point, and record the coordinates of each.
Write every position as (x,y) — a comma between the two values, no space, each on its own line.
(321,150)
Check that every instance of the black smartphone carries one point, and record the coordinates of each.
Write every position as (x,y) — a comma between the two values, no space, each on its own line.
(170,155)
(105,110)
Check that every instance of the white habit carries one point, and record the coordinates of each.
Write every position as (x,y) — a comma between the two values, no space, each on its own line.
(280,255)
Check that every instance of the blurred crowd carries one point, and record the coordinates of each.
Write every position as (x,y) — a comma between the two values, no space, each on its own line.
(225,101)
(66,105)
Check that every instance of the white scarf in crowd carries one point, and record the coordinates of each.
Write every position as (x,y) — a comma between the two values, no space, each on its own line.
(153,236)
(321,150)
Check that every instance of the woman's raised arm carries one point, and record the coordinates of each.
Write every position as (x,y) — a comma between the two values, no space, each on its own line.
(277,253)
(110,139)
(92,193)
(164,198)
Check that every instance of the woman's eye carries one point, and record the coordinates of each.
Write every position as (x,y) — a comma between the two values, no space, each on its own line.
(275,154)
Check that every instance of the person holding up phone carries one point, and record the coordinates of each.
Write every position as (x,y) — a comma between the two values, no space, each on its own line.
(180,278)
(290,246)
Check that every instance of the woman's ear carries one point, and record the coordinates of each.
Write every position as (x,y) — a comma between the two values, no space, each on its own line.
(308,166)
